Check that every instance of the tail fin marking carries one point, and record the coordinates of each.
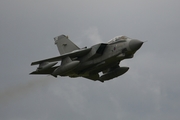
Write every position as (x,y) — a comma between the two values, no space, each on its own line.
(64,44)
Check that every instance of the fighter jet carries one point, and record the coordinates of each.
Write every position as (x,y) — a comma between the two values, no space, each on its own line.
(98,63)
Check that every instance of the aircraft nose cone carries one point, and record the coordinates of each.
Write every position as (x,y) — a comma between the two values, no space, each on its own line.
(135,44)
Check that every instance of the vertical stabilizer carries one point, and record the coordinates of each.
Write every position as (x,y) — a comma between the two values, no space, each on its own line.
(64,44)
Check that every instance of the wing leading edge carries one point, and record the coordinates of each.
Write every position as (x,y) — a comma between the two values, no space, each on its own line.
(73,54)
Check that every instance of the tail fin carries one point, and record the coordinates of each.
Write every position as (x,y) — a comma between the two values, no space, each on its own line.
(64,44)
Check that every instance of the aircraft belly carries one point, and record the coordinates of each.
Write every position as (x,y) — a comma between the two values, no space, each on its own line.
(93,67)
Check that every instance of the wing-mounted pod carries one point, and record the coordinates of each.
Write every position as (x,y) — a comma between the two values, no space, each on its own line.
(67,65)
(64,69)
(113,73)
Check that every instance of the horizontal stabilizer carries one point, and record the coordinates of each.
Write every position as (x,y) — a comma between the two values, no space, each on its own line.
(44,72)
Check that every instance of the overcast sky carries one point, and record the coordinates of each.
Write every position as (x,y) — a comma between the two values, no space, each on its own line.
(148,91)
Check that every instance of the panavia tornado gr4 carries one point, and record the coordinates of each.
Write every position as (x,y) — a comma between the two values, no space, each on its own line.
(98,63)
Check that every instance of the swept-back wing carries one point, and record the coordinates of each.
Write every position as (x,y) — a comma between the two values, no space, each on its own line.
(73,54)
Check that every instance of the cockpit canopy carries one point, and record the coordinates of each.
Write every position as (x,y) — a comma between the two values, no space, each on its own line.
(118,39)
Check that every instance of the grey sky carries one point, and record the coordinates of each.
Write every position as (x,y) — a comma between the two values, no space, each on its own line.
(149,90)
